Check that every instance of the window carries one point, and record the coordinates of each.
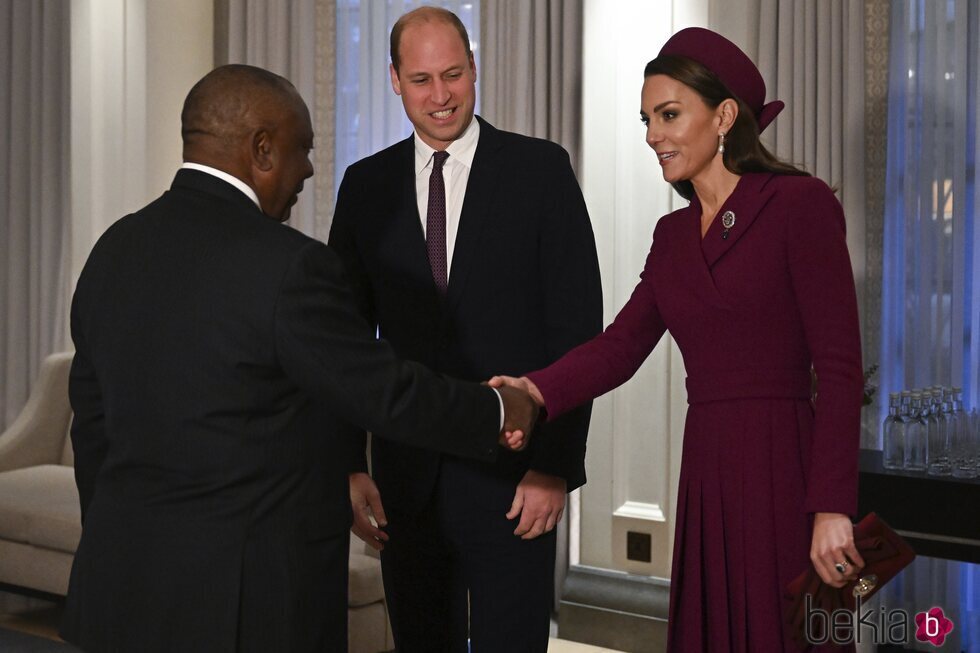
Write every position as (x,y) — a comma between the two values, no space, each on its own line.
(931,274)
(931,305)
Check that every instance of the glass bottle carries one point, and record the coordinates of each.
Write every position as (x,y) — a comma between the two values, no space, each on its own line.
(937,449)
(893,434)
(963,445)
(916,435)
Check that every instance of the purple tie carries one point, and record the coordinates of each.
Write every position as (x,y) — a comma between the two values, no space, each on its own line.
(435,223)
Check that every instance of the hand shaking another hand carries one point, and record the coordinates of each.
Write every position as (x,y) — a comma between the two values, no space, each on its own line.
(520,414)
(522,383)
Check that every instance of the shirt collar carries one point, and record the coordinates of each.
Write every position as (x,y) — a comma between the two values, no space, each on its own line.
(463,149)
(224,176)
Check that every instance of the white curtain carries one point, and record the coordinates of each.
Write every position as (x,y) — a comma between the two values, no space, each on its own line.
(293,38)
(931,270)
(531,68)
(370,117)
(34,192)
(811,55)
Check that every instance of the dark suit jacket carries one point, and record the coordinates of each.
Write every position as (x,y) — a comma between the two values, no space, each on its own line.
(218,356)
(523,288)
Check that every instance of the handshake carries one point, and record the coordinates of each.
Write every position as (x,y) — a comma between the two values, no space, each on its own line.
(522,403)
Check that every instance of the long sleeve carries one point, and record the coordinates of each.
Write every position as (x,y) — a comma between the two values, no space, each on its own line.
(342,241)
(88,436)
(610,359)
(824,288)
(326,348)
(572,297)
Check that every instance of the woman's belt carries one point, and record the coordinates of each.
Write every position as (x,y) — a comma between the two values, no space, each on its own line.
(721,385)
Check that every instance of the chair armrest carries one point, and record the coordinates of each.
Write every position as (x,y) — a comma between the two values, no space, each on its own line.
(38,434)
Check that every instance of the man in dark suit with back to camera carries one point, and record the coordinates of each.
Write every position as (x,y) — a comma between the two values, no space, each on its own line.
(472,251)
(218,357)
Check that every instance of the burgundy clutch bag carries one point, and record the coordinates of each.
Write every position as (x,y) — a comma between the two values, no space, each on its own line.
(885,554)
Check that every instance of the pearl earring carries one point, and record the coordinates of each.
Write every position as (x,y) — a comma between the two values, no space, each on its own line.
(721,142)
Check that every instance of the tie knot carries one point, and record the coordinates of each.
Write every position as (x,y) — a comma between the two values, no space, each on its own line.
(438,159)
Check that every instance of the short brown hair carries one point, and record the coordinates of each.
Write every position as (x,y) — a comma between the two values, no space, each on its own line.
(425,15)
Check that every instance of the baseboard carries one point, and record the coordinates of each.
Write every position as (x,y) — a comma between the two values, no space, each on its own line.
(614,609)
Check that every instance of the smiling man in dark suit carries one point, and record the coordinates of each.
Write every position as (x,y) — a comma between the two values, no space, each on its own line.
(472,251)
(218,359)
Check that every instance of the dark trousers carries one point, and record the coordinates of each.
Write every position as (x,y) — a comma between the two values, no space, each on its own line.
(462,546)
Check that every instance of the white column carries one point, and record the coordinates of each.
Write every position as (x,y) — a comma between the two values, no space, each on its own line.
(634,444)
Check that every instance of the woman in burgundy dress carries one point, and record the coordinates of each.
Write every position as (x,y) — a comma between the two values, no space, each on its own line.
(754,283)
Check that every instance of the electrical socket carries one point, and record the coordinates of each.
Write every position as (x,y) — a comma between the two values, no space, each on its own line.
(638,546)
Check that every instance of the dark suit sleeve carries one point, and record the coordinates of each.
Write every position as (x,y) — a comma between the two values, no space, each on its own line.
(88,438)
(326,348)
(342,240)
(572,296)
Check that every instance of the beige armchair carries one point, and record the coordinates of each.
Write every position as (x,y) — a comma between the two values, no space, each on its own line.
(39,514)
(368,627)
(40,518)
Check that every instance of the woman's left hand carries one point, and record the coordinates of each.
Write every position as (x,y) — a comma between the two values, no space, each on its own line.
(833,547)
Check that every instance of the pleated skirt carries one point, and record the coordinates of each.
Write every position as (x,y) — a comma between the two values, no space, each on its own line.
(742,534)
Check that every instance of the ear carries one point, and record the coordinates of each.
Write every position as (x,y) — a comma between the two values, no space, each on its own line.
(395,84)
(262,151)
(473,66)
(727,112)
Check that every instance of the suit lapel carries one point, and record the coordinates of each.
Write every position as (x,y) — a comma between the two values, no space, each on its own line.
(406,228)
(689,256)
(745,204)
(477,210)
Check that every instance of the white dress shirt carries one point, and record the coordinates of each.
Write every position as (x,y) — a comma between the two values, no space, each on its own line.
(455,173)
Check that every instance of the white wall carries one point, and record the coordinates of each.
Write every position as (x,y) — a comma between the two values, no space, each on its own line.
(634,444)
(132,63)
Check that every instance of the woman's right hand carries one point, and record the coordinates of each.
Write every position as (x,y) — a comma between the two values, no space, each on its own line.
(522,383)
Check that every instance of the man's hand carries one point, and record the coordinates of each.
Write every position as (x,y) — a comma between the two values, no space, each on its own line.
(832,551)
(540,501)
(365,500)
(520,413)
(522,383)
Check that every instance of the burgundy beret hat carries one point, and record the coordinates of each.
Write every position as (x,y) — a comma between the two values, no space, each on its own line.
(730,64)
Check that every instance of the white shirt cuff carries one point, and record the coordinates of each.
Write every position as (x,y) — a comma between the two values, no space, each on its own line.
(501,400)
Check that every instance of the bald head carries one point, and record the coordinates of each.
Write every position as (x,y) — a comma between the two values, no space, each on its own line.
(230,103)
(254,125)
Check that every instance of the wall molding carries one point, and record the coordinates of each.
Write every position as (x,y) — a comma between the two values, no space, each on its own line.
(641,510)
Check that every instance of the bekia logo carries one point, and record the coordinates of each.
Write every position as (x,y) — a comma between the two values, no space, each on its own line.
(932,626)
(881,626)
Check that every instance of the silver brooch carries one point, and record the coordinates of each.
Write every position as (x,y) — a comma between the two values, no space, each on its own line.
(728,220)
